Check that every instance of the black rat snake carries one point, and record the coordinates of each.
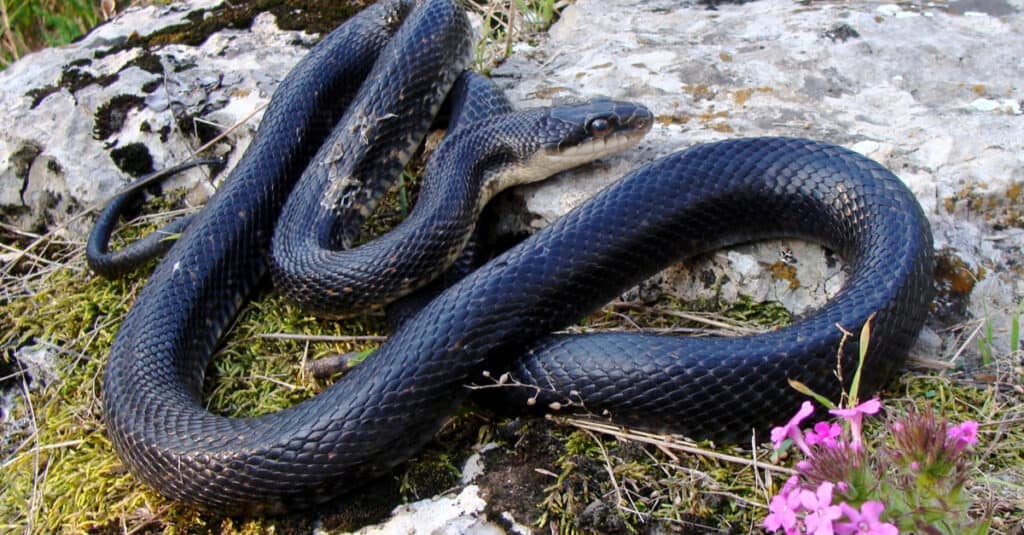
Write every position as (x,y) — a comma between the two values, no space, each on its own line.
(499,317)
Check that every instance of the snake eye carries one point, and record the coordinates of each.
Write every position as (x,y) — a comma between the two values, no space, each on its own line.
(599,127)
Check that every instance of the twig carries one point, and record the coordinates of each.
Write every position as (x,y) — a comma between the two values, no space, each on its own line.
(698,318)
(152,519)
(35,502)
(232,128)
(321,337)
(278,382)
(635,326)
(37,258)
(668,442)
(511,26)
(15,230)
(963,347)
(37,449)
(607,467)
(691,331)
(8,33)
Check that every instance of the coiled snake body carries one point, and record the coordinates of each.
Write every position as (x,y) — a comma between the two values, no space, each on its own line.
(383,410)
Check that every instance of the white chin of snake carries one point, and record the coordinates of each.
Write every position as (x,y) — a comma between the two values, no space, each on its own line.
(547,162)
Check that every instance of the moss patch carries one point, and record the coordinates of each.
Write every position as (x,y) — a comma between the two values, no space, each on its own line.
(146,61)
(72,79)
(111,115)
(133,159)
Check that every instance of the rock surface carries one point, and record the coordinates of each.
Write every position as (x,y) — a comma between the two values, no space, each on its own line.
(79,122)
(442,516)
(931,90)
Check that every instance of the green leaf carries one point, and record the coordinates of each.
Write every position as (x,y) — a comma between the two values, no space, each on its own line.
(1015,328)
(862,350)
(806,390)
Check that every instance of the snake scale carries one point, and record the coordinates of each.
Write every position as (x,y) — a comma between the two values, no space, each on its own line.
(500,317)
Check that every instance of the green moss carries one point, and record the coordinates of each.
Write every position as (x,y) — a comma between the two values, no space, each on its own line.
(66,470)
(761,314)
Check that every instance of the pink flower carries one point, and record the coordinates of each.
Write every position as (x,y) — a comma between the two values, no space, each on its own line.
(823,433)
(792,429)
(783,508)
(821,511)
(855,416)
(782,514)
(790,485)
(866,521)
(871,406)
(963,434)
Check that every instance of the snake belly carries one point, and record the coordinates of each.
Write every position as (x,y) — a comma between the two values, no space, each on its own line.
(383,410)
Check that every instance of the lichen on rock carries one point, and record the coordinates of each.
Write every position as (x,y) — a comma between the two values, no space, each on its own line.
(141,92)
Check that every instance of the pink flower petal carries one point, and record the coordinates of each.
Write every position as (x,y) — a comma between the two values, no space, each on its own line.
(792,429)
(871,406)
(824,493)
(871,511)
(965,433)
(866,521)
(823,433)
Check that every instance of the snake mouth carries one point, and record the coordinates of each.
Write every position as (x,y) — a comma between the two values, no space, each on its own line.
(600,128)
(614,128)
(595,148)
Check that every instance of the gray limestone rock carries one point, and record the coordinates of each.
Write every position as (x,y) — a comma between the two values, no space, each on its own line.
(78,122)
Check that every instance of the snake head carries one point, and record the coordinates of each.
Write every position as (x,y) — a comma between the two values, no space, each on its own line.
(595,129)
(538,143)
(519,147)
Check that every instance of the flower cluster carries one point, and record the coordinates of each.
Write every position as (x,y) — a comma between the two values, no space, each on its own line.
(912,484)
